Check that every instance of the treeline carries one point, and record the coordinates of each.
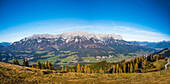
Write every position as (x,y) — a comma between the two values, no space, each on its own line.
(79,68)
(46,65)
(139,64)
(25,62)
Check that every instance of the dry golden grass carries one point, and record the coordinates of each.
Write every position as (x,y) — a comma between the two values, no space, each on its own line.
(10,74)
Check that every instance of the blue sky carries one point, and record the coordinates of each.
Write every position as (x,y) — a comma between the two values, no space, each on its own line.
(140,20)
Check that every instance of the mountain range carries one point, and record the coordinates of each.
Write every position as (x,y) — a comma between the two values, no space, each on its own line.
(5,43)
(156,45)
(78,45)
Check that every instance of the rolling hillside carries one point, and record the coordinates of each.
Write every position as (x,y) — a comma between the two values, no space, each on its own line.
(18,74)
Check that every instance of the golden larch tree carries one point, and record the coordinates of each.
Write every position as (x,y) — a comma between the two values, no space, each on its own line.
(113,69)
(117,68)
(124,67)
(131,68)
(85,69)
(78,68)
(62,69)
(88,70)
(82,69)
(66,69)
(136,66)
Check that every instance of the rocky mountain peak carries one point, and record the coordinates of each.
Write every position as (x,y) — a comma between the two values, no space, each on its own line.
(69,36)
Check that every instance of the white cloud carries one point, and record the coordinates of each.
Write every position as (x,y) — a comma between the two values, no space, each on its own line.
(134,34)
(127,32)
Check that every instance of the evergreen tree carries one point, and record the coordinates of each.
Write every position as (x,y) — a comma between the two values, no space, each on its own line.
(78,68)
(151,57)
(38,64)
(14,62)
(52,67)
(24,62)
(17,62)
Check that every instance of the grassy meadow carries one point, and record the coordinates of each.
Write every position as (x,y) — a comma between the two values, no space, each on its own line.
(10,74)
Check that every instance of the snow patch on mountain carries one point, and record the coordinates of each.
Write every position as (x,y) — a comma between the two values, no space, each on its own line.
(70,36)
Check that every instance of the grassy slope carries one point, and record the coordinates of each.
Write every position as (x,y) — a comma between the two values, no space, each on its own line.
(17,74)
(160,64)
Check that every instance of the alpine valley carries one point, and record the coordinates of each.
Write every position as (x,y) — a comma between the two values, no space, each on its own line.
(72,48)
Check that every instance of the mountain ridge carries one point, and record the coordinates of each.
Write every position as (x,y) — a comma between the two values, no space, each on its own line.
(70,35)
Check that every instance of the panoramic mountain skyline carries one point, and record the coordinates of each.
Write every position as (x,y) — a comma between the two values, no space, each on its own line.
(134,20)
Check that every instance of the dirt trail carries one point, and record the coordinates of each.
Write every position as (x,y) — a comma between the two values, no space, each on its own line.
(167,64)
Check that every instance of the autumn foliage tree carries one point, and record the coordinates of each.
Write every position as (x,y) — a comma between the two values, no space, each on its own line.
(66,70)
(131,68)
(51,67)
(47,65)
(42,66)
(136,66)
(62,68)
(38,65)
(82,68)
(78,68)
(117,68)
(124,67)
(128,68)
(85,69)
(113,69)
(88,70)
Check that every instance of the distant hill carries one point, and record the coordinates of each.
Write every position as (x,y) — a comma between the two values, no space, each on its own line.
(1,46)
(5,43)
(157,45)
(165,52)
(152,64)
